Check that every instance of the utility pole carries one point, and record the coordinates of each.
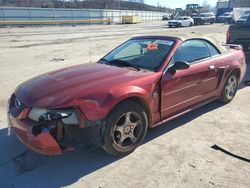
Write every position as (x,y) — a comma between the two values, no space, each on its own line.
(142,4)
(106,5)
(63,4)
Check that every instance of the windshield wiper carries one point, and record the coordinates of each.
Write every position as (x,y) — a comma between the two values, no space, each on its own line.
(104,60)
(124,63)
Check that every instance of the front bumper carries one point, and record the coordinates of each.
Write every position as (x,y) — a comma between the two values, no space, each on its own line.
(173,24)
(52,137)
(43,143)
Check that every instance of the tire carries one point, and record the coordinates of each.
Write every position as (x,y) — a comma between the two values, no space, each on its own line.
(179,25)
(230,88)
(170,26)
(212,22)
(125,129)
(191,24)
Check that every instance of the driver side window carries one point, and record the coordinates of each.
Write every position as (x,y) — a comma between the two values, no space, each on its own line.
(191,51)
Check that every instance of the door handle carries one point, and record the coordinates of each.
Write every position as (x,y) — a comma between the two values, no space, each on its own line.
(211,67)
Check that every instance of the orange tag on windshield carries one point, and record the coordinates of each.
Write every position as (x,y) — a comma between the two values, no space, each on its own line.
(152,46)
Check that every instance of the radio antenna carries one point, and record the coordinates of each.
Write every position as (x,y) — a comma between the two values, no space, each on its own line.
(90,51)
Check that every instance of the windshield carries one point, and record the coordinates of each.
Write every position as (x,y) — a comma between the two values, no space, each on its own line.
(179,18)
(142,53)
(244,17)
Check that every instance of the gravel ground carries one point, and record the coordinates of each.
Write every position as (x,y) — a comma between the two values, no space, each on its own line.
(190,151)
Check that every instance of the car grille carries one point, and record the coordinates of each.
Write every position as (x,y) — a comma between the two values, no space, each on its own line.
(16,106)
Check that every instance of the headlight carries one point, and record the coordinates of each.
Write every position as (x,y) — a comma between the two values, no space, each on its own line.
(35,113)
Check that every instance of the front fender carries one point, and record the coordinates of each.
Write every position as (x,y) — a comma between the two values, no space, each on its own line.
(98,106)
(234,66)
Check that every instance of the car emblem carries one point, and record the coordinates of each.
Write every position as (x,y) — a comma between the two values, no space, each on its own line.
(17,103)
(155,94)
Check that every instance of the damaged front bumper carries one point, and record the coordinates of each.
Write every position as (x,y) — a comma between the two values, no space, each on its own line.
(44,143)
(52,137)
(52,140)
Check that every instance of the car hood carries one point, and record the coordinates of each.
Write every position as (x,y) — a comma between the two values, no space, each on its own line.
(59,87)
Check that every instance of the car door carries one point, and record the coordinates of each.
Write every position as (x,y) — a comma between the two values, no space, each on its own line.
(188,87)
(185,22)
(206,18)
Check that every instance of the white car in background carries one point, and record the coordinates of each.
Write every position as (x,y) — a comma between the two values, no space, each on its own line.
(183,21)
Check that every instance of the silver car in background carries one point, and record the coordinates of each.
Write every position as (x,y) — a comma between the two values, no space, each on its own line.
(203,18)
(225,18)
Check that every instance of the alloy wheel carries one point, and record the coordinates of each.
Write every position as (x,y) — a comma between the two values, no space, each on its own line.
(127,130)
(231,87)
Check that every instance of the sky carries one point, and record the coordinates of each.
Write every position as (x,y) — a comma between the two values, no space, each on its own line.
(178,3)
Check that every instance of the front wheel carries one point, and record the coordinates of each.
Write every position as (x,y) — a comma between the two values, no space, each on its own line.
(125,129)
(229,89)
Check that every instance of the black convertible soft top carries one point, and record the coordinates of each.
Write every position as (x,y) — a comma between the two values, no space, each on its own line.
(185,37)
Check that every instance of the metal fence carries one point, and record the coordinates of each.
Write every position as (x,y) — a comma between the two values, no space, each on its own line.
(40,15)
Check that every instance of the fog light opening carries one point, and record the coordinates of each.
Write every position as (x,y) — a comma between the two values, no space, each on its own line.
(36,130)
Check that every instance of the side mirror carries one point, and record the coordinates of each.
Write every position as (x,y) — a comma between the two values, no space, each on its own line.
(179,65)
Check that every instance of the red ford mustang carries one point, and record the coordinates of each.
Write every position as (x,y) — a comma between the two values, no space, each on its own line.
(143,83)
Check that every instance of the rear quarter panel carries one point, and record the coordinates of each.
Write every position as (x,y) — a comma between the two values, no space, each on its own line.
(231,61)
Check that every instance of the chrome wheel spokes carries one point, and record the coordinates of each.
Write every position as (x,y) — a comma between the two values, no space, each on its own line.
(127,129)
(231,87)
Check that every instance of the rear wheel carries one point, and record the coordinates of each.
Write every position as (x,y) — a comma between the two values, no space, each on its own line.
(125,129)
(229,89)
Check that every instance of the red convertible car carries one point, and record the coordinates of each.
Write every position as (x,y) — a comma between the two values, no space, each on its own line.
(143,83)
